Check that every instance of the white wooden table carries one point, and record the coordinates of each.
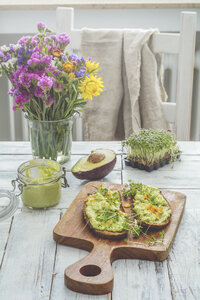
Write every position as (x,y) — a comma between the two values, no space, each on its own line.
(32,264)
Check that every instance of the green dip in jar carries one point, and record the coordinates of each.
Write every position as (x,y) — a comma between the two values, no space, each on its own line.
(41,180)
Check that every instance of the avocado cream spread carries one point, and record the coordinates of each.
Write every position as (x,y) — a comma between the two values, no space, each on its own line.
(150,206)
(103,210)
(42,189)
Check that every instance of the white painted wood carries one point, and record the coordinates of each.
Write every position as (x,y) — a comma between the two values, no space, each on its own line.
(189,148)
(166,43)
(184,174)
(134,273)
(50,4)
(27,268)
(24,148)
(11,115)
(77,147)
(15,148)
(185,75)
(25,132)
(4,229)
(169,110)
(183,44)
(162,42)
(64,21)
(183,261)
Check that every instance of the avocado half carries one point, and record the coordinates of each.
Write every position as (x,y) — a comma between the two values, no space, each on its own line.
(96,165)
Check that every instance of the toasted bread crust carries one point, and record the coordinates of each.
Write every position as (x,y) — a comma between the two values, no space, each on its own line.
(103,233)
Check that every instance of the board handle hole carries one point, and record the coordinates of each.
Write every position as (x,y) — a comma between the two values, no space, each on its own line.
(90,270)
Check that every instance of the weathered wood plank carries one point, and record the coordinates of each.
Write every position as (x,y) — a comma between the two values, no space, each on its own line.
(77,147)
(183,261)
(86,147)
(141,280)
(66,256)
(4,229)
(28,263)
(12,162)
(15,148)
(191,148)
(96,4)
(184,174)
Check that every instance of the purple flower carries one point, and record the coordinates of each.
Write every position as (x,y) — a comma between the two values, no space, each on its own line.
(21,56)
(5,56)
(73,56)
(19,102)
(39,93)
(12,49)
(53,37)
(29,51)
(36,58)
(46,83)
(63,38)
(57,87)
(14,92)
(41,25)
(34,40)
(24,79)
(80,73)
(23,40)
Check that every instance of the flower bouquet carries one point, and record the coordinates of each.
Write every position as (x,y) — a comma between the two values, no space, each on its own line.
(150,149)
(50,86)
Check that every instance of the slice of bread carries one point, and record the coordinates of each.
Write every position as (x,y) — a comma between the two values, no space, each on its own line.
(111,235)
(103,233)
(152,225)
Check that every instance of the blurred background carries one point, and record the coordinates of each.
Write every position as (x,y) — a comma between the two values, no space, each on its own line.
(17,20)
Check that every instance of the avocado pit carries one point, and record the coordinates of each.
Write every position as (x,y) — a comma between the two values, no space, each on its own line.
(96,165)
(96,157)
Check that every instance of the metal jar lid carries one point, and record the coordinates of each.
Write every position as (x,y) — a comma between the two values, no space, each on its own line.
(9,202)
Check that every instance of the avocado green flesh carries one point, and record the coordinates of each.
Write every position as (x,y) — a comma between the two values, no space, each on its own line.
(84,165)
(150,206)
(104,213)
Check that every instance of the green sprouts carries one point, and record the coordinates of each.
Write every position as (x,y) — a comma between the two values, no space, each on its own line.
(150,146)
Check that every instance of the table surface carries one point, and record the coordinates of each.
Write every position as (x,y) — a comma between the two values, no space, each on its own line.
(32,264)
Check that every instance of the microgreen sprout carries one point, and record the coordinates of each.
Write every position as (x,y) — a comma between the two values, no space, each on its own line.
(162,235)
(150,146)
(153,240)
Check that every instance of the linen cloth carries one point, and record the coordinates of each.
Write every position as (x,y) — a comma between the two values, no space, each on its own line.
(133,88)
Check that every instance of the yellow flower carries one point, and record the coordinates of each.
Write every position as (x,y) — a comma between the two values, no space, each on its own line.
(90,86)
(72,75)
(92,67)
(69,66)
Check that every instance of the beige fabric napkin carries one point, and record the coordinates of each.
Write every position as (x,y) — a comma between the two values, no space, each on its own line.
(133,88)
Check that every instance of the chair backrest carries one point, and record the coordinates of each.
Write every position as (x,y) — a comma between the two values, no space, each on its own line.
(183,44)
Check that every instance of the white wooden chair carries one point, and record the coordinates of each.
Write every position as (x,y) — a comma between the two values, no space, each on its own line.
(183,44)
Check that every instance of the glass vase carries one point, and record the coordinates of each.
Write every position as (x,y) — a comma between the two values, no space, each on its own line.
(51,139)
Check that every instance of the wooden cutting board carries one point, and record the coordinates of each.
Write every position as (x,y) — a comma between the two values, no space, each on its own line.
(93,274)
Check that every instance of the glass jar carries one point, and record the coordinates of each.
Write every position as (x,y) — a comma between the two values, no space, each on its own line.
(8,204)
(40,182)
(51,139)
